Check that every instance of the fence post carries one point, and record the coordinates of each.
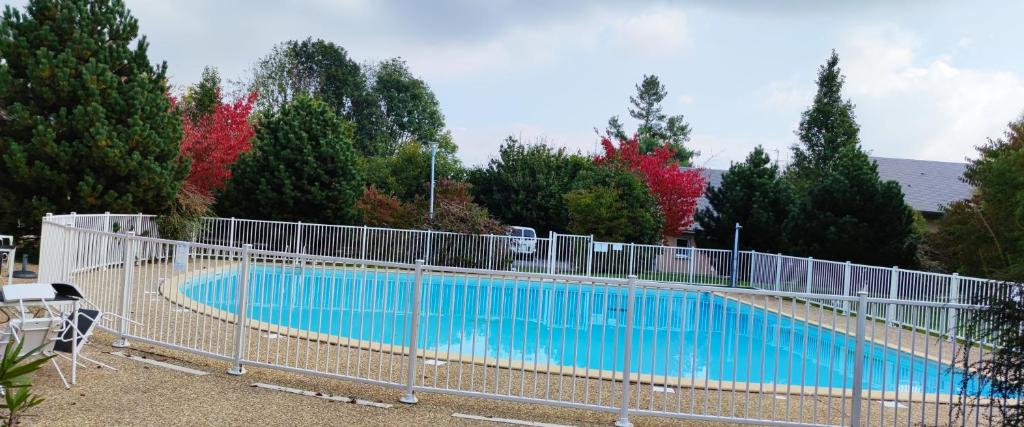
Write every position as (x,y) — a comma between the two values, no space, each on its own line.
(552,250)
(242,288)
(846,286)
(954,298)
(890,310)
(106,240)
(66,258)
(138,224)
(858,358)
(590,256)
(231,232)
(632,251)
(810,270)
(750,278)
(298,237)
(362,252)
(778,271)
(690,263)
(623,420)
(126,290)
(490,250)
(430,238)
(414,332)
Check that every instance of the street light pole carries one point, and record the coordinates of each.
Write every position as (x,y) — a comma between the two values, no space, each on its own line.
(735,254)
(433,156)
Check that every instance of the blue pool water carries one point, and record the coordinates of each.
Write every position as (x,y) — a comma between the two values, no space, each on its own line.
(679,334)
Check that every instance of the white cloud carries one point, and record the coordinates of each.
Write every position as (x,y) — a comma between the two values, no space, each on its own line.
(919,107)
(648,32)
(686,100)
(788,95)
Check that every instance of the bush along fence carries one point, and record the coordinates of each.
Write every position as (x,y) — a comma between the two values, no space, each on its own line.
(630,346)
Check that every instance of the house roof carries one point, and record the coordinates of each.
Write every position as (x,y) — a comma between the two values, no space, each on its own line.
(714,179)
(927,185)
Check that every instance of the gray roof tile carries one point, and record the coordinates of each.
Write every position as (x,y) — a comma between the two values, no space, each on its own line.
(927,185)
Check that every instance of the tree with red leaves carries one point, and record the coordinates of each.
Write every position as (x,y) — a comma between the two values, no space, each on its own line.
(676,190)
(215,140)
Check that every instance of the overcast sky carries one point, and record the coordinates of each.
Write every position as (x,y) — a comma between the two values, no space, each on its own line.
(930,80)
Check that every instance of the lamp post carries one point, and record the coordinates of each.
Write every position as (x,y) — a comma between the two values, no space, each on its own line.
(433,157)
(735,254)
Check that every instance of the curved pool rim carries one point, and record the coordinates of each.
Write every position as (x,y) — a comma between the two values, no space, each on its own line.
(171,290)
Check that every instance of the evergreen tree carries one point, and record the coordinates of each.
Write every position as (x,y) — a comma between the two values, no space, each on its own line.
(85,121)
(525,185)
(851,215)
(753,194)
(302,167)
(826,127)
(845,212)
(656,128)
(203,98)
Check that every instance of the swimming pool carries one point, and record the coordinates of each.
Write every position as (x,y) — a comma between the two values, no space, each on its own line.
(698,336)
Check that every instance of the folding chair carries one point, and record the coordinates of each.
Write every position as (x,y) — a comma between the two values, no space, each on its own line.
(37,333)
(66,342)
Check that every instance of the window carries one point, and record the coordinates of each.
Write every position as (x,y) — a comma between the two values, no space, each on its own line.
(683,249)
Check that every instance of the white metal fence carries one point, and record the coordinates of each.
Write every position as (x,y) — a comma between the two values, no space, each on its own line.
(798,347)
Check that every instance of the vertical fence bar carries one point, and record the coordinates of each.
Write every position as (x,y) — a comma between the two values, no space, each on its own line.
(298,237)
(810,270)
(846,286)
(430,237)
(414,332)
(490,250)
(954,298)
(242,288)
(858,358)
(632,252)
(552,249)
(231,233)
(106,240)
(778,271)
(126,290)
(623,420)
(750,278)
(890,310)
(691,264)
(590,255)
(362,251)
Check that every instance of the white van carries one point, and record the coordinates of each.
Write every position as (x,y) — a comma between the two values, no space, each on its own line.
(523,240)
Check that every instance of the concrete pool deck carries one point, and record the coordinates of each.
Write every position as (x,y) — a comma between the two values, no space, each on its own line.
(139,394)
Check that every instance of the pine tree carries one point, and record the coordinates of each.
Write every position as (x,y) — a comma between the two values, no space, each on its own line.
(753,194)
(827,126)
(302,167)
(85,122)
(656,128)
(851,215)
(845,212)
(203,98)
